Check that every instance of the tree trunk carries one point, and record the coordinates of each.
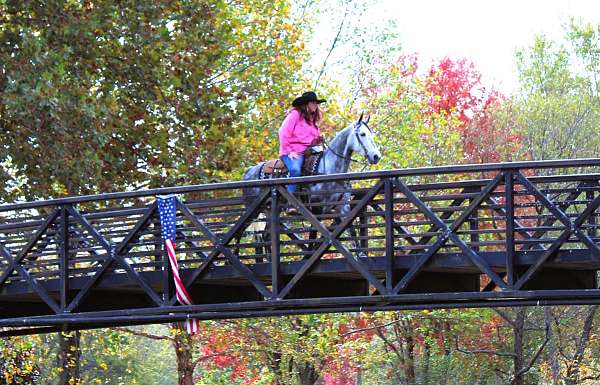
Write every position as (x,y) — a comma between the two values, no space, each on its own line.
(307,374)
(68,357)
(572,375)
(275,361)
(552,357)
(427,359)
(183,350)
(518,360)
(409,368)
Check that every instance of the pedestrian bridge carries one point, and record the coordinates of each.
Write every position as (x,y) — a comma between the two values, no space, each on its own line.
(485,235)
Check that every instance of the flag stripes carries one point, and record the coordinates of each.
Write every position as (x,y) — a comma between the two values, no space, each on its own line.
(167,211)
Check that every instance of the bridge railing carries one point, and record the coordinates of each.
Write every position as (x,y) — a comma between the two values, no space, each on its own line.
(502,225)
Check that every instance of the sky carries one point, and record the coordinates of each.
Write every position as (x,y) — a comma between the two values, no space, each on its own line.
(488,32)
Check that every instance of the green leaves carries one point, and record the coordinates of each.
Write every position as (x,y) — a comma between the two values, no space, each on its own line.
(558,108)
(90,91)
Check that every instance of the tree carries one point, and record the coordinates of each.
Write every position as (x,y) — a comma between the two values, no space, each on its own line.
(99,96)
(558,106)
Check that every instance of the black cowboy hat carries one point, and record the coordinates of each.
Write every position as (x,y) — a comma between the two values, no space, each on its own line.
(307,97)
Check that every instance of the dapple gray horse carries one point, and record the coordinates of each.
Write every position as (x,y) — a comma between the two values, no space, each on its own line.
(336,159)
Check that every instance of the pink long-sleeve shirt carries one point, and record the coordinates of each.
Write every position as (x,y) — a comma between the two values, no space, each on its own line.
(296,134)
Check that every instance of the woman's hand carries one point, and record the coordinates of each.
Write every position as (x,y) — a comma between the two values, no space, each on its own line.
(293,155)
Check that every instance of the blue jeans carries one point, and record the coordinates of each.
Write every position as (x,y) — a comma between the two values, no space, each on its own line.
(294,166)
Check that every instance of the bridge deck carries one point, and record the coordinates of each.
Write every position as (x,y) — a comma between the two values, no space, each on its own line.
(473,235)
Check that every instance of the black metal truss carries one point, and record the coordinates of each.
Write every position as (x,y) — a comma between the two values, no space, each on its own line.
(388,197)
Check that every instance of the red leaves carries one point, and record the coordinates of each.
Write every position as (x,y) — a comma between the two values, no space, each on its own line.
(216,351)
(454,88)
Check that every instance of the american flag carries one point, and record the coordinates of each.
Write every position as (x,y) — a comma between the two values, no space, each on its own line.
(167,208)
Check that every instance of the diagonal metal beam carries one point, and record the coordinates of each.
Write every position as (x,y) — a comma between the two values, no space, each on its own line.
(445,215)
(242,268)
(208,233)
(220,244)
(478,261)
(543,199)
(448,233)
(424,240)
(531,235)
(475,203)
(7,255)
(104,266)
(519,228)
(564,236)
(360,267)
(542,259)
(304,211)
(330,238)
(416,267)
(306,266)
(549,221)
(136,277)
(39,233)
(125,245)
(287,230)
(574,227)
(91,283)
(39,289)
(88,226)
(117,254)
(27,248)
(399,228)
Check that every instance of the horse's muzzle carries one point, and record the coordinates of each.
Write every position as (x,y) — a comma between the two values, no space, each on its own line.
(374,158)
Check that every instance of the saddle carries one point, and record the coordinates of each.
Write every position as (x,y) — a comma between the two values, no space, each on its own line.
(275,168)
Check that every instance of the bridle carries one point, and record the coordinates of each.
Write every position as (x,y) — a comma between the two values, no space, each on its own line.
(362,145)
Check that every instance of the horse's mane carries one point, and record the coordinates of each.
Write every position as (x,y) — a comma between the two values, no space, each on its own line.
(342,135)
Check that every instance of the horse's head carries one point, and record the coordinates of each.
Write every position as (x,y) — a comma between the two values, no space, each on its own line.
(363,141)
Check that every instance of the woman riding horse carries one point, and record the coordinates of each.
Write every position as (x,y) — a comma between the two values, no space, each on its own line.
(298,132)
(326,196)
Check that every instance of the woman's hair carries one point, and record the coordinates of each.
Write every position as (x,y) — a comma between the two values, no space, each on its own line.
(314,117)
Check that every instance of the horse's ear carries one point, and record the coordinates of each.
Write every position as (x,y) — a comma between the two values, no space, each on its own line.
(368,118)
(361,116)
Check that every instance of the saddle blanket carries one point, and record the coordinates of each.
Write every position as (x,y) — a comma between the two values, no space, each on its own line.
(275,168)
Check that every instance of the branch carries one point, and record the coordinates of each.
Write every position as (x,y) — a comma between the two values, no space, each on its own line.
(335,40)
(142,334)
(505,316)
(501,371)
(483,351)
(369,328)
(389,344)
(536,356)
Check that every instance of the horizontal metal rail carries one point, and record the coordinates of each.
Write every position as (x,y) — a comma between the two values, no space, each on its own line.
(438,170)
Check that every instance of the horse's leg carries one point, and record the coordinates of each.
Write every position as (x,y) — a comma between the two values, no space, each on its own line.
(312,235)
(350,230)
(266,238)
(236,245)
(257,248)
